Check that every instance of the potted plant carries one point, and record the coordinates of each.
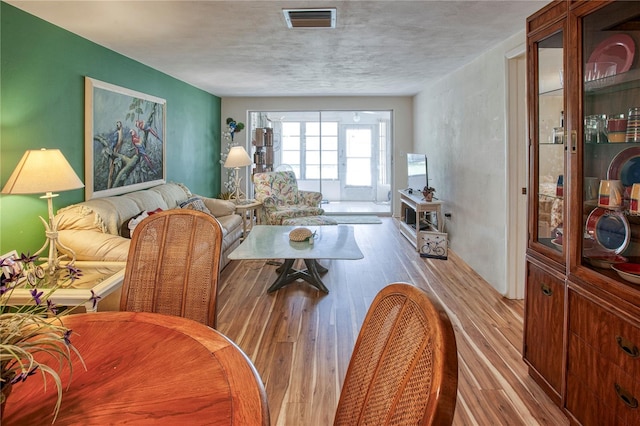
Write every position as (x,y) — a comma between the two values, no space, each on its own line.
(428,192)
(30,331)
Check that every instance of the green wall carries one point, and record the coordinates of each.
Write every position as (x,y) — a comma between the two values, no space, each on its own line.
(42,70)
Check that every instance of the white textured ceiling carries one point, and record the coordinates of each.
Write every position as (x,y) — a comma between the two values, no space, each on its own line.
(243,48)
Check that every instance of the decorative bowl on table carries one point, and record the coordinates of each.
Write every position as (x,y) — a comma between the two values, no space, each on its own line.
(628,271)
(300,234)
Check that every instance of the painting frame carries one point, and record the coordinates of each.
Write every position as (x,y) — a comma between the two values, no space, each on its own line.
(125,139)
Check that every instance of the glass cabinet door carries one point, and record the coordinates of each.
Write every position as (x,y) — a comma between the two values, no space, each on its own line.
(611,137)
(549,141)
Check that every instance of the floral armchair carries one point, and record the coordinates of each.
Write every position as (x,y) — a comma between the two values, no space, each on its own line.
(278,192)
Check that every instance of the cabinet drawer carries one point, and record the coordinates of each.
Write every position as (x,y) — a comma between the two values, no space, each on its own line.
(543,334)
(586,407)
(595,382)
(616,339)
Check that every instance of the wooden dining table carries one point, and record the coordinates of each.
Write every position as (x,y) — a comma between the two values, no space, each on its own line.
(145,368)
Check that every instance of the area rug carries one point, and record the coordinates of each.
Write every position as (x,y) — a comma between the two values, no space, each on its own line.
(352,219)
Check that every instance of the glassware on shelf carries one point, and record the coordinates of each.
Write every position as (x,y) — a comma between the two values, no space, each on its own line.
(633,125)
(617,128)
(594,129)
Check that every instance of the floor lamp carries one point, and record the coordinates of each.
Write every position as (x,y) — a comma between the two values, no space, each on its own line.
(237,158)
(47,171)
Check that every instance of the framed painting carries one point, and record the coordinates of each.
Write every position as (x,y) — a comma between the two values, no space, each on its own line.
(125,142)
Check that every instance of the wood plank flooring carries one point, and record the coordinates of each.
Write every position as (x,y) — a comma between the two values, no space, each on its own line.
(300,340)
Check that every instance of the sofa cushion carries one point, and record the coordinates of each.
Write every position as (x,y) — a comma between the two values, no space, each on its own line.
(91,245)
(195,203)
(102,214)
(172,193)
(219,207)
(146,200)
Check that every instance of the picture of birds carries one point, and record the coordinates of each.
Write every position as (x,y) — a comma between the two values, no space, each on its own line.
(128,140)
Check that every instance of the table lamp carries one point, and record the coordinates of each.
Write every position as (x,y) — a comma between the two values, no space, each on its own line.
(237,158)
(39,171)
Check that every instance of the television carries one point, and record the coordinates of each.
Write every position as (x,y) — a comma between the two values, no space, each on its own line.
(417,171)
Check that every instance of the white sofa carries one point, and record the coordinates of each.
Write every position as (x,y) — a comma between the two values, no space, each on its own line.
(92,229)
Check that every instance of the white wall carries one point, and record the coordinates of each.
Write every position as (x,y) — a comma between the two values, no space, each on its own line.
(401,106)
(460,123)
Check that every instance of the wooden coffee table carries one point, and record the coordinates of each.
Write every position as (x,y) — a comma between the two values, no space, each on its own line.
(272,242)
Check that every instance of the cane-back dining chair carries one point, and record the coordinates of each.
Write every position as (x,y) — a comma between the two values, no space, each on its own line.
(404,367)
(174,265)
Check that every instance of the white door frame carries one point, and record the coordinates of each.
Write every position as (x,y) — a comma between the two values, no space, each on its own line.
(516,171)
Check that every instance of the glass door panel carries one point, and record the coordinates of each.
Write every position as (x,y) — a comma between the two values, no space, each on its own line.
(611,135)
(550,141)
(345,155)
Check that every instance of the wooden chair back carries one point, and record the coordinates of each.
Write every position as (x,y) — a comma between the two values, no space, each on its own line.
(174,265)
(404,367)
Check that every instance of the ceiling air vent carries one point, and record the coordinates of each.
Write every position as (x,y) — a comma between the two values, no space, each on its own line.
(310,18)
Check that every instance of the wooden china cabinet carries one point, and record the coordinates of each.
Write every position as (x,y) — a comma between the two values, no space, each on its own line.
(582,300)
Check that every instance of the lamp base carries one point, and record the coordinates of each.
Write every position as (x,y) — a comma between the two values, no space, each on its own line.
(236,183)
(51,231)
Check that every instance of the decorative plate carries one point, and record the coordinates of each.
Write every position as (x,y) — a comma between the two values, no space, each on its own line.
(606,261)
(610,229)
(619,49)
(628,271)
(625,166)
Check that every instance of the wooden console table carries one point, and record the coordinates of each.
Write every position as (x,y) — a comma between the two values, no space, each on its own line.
(415,216)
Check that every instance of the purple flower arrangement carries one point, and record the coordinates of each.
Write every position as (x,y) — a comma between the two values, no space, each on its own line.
(35,328)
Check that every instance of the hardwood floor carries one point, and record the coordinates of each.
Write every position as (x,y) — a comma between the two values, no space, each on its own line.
(300,340)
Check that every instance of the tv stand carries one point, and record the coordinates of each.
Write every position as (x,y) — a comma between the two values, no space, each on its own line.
(416,216)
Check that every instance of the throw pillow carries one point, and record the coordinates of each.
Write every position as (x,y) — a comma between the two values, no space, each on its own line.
(195,203)
(129,225)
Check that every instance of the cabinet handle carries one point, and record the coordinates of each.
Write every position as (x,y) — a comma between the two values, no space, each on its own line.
(628,347)
(546,290)
(574,139)
(626,397)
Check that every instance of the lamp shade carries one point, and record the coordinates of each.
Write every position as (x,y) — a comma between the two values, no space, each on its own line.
(39,171)
(237,157)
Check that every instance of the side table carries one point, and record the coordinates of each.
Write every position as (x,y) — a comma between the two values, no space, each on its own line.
(248,209)
(101,277)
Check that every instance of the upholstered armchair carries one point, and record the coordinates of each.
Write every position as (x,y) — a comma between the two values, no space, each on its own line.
(281,199)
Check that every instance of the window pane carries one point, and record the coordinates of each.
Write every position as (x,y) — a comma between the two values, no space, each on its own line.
(329,172)
(291,128)
(312,129)
(329,157)
(313,142)
(357,149)
(329,128)
(329,142)
(313,157)
(312,171)
(291,143)
(291,157)
(358,172)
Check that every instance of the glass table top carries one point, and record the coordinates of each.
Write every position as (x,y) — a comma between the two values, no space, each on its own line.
(272,242)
